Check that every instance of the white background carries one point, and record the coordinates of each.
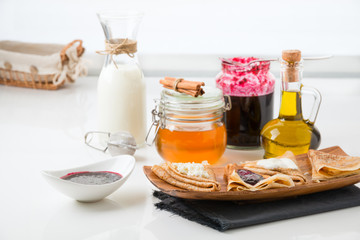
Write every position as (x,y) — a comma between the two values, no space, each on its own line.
(189,35)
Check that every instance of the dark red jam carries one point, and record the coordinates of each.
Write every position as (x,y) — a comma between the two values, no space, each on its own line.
(246,118)
(249,176)
(93,178)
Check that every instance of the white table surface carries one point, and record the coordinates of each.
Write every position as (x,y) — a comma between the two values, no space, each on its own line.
(45,129)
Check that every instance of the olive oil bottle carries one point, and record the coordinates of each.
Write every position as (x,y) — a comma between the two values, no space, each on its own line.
(290,131)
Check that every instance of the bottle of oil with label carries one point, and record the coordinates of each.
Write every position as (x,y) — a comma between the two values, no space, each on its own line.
(290,131)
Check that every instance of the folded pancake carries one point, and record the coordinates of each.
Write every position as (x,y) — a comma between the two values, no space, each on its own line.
(327,166)
(237,183)
(285,164)
(190,176)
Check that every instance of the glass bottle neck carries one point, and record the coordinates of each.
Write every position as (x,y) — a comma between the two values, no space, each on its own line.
(291,76)
(120,29)
(121,59)
(120,25)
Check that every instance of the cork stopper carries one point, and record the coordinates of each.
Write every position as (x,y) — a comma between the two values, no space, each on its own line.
(291,55)
(291,71)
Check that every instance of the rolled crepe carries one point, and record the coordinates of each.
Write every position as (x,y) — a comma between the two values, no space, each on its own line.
(296,175)
(235,183)
(327,166)
(168,173)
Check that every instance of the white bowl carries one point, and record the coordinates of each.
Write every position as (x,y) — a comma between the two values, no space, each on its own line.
(123,164)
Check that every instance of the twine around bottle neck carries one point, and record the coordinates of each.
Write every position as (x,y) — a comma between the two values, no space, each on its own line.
(118,46)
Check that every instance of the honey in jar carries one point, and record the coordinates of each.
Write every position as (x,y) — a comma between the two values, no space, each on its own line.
(192,144)
(191,129)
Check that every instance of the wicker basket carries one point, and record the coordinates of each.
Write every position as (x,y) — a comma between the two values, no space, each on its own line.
(31,78)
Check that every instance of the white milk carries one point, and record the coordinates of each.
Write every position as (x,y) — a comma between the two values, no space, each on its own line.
(121,100)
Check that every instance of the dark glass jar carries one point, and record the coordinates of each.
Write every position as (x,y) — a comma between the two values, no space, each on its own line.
(250,86)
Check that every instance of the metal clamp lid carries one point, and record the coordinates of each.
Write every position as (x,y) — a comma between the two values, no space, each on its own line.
(157,121)
(228,104)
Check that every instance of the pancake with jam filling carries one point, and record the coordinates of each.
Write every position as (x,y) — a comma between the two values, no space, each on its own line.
(239,179)
(285,164)
(190,176)
(327,166)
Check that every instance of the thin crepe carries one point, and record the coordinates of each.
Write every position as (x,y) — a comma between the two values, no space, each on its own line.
(168,173)
(235,183)
(295,174)
(327,166)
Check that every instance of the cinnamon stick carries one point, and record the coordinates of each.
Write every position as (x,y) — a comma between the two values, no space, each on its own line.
(180,85)
(191,85)
(188,87)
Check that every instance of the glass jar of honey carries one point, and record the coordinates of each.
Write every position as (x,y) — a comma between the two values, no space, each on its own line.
(190,129)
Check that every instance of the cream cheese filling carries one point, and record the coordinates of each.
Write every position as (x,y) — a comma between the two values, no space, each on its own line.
(273,163)
(192,169)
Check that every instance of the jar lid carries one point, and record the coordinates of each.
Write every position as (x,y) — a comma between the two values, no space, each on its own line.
(243,65)
(213,99)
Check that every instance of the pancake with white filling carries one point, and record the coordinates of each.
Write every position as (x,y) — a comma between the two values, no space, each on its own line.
(190,176)
(285,164)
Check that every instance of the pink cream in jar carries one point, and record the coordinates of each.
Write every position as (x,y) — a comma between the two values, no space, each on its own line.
(250,87)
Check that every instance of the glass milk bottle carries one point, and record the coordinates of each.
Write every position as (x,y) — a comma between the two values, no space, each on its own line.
(121,85)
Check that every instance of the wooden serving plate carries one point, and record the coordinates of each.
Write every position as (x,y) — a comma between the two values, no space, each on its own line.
(303,163)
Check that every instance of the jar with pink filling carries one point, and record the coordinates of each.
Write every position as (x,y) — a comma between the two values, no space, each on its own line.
(250,86)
